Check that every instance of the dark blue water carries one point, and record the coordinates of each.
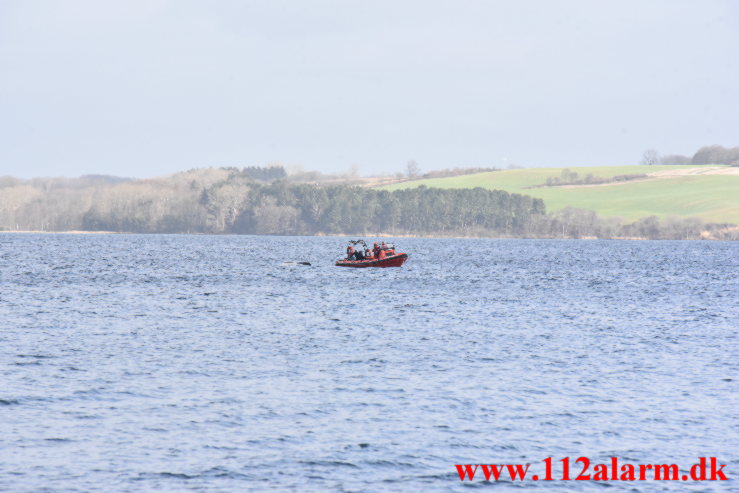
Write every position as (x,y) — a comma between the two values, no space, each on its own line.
(171,363)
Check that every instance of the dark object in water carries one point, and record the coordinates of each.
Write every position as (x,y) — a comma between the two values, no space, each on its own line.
(296,263)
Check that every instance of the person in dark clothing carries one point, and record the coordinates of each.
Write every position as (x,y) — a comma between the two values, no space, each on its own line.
(352,254)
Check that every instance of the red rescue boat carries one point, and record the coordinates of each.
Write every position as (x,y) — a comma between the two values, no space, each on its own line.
(391,261)
(384,256)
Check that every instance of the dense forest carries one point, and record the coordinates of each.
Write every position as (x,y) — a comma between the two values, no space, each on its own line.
(254,201)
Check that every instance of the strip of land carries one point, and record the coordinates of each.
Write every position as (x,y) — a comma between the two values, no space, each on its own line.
(710,193)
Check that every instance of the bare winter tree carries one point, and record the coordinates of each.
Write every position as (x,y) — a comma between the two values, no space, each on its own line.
(354,171)
(412,169)
(716,154)
(650,157)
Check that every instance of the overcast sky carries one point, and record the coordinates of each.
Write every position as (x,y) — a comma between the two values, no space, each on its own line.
(144,88)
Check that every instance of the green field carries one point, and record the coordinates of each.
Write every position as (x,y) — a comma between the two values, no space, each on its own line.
(713,198)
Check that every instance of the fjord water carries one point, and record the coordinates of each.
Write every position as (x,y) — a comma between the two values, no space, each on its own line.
(169,363)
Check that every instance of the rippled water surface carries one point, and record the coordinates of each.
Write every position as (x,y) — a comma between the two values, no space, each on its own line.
(168,363)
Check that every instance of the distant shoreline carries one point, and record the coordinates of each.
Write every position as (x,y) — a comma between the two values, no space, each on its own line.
(706,237)
(72,232)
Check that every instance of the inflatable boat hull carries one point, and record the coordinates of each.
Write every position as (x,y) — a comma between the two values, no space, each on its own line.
(391,261)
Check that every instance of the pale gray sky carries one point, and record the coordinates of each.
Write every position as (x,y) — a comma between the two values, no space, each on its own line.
(149,87)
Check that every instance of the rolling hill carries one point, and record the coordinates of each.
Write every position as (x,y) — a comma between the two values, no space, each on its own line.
(708,192)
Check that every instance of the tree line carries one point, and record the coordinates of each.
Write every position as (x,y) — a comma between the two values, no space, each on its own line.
(568,177)
(714,154)
(230,200)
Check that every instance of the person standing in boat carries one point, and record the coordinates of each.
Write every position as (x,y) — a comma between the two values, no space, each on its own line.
(376,251)
(381,254)
(352,254)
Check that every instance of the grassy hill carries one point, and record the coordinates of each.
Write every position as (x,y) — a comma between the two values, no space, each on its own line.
(712,197)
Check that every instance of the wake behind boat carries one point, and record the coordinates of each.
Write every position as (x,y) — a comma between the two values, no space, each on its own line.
(383,255)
